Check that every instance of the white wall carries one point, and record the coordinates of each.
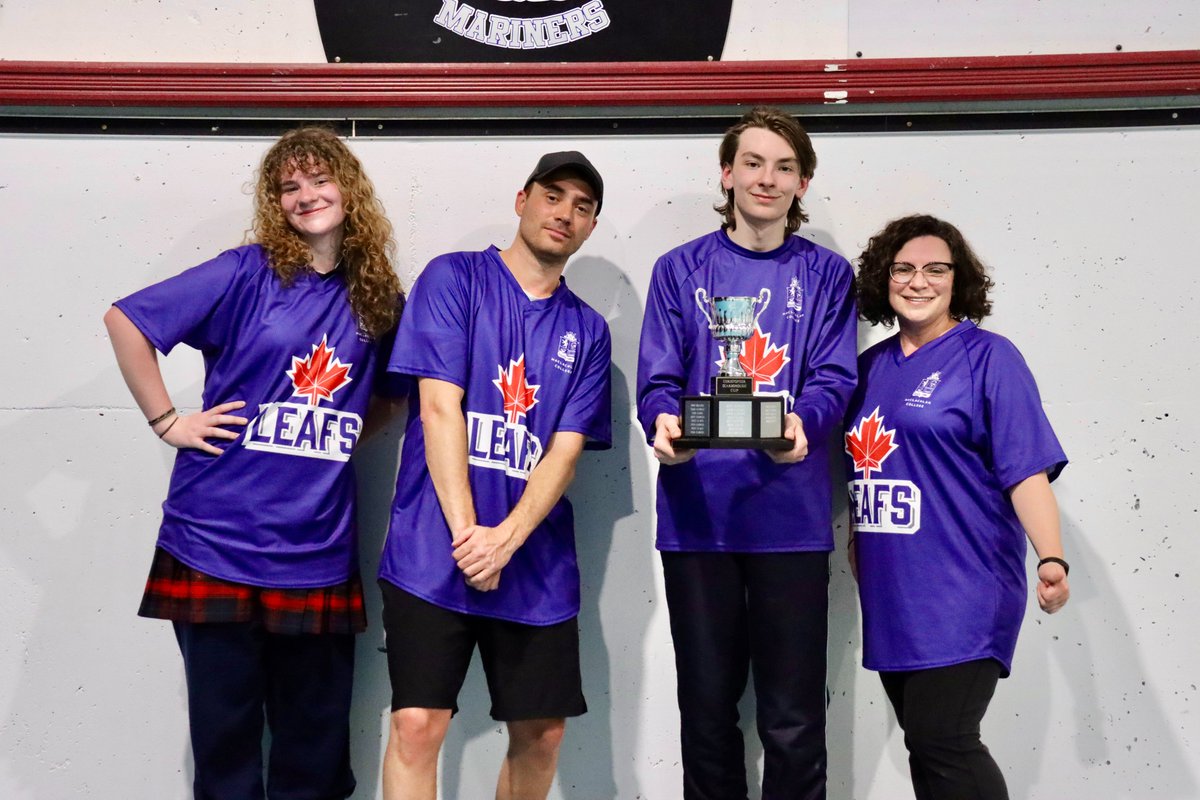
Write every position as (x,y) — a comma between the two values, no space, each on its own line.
(1085,231)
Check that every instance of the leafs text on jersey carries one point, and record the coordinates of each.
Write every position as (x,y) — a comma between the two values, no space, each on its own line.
(519,396)
(320,375)
(761,359)
(870,444)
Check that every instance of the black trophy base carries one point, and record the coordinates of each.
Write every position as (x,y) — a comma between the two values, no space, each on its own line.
(732,421)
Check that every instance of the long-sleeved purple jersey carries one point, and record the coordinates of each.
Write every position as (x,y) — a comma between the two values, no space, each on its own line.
(803,348)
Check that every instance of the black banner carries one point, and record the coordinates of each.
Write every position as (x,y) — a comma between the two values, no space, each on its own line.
(522,30)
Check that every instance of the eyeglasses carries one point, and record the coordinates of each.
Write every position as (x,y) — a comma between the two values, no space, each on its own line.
(935,272)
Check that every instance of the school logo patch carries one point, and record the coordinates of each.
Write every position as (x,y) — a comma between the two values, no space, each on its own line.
(794,310)
(879,505)
(926,387)
(568,350)
(305,429)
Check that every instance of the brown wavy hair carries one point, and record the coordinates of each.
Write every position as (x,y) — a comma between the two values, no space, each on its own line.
(376,295)
(785,125)
(969,295)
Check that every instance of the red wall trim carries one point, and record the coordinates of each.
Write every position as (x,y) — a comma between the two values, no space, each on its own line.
(854,82)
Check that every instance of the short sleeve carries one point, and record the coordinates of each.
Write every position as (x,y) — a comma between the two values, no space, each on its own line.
(185,308)
(434,334)
(661,374)
(390,384)
(589,407)
(1022,442)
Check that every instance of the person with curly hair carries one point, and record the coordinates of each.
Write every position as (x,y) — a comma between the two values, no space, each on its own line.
(950,456)
(256,562)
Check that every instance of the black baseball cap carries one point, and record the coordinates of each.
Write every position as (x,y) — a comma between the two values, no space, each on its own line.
(569,159)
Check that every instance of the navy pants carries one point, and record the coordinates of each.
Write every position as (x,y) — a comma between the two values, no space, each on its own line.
(732,612)
(240,676)
(939,711)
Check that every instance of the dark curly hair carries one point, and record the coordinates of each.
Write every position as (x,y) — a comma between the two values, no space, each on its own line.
(785,125)
(367,246)
(969,296)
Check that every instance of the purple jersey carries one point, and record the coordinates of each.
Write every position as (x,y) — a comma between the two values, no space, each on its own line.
(278,507)
(527,368)
(802,349)
(935,439)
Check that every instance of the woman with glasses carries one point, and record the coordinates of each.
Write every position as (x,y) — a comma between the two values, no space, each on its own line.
(951,458)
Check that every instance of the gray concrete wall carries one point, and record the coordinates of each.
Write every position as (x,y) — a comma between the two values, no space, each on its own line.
(1085,231)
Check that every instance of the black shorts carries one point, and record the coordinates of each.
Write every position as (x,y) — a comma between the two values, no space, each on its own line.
(532,670)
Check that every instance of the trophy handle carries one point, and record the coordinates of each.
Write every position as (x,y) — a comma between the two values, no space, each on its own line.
(764,297)
(702,301)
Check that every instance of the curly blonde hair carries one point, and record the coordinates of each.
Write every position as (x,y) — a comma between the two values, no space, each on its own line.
(376,295)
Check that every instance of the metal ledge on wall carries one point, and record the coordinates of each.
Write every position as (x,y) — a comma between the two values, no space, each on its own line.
(596,95)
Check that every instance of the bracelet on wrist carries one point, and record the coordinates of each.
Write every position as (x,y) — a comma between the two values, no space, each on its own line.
(162,416)
(172,425)
(1056,560)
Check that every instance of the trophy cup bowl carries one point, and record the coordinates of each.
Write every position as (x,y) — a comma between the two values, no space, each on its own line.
(732,322)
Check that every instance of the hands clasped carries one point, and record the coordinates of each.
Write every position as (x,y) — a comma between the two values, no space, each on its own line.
(481,552)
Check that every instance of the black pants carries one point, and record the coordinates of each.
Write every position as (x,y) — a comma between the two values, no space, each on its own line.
(940,711)
(731,612)
(236,672)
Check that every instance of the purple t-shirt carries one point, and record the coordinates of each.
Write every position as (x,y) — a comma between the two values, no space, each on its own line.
(934,442)
(277,508)
(802,349)
(528,369)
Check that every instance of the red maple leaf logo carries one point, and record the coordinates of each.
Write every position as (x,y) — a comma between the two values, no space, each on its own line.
(519,396)
(761,359)
(870,444)
(320,375)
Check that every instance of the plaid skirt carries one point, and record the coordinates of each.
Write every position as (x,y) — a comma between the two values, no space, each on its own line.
(179,593)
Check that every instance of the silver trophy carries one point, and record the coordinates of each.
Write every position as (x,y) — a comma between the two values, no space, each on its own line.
(732,321)
(732,416)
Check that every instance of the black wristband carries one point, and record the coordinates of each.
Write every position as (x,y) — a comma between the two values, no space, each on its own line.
(1056,560)
(161,417)
(172,425)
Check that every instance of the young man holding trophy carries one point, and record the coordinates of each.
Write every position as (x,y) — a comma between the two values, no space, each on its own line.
(746,363)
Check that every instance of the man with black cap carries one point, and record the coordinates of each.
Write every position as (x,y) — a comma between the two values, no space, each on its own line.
(511,384)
